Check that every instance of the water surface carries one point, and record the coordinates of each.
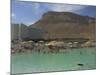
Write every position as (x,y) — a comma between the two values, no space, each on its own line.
(39,62)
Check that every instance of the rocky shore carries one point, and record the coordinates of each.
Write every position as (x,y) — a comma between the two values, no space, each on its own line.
(48,46)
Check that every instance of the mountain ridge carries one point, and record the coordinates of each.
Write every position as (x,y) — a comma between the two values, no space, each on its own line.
(66,25)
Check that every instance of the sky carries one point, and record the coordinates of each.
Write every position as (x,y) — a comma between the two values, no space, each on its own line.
(30,12)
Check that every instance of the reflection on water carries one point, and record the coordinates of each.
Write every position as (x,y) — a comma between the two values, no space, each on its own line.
(73,59)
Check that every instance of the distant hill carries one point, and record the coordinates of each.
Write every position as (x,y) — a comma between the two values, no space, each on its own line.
(60,25)
(25,33)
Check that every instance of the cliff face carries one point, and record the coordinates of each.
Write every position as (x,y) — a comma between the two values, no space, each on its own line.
(59,25)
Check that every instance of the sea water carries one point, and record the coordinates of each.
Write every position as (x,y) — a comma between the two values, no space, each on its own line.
(49,62)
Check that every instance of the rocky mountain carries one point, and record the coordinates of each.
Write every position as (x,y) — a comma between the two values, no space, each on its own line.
(57,25)
(60,25)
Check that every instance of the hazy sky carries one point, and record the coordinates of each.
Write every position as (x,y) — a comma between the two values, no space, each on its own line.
(30,12)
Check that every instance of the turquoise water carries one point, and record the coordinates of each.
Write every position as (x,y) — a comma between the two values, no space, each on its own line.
(35,62)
